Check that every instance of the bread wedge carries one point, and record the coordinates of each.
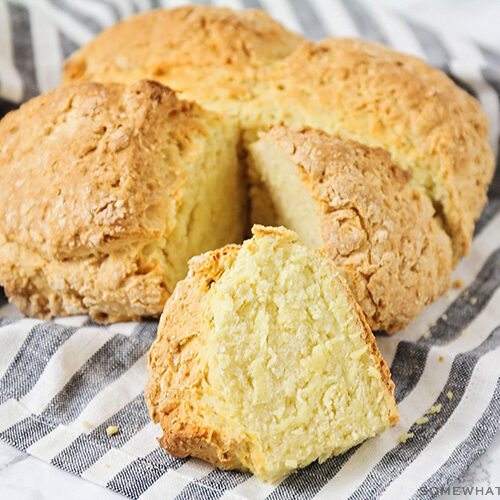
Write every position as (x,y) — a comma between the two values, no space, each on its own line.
(264,362)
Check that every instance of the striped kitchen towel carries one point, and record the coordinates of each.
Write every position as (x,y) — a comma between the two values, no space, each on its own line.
(63,382)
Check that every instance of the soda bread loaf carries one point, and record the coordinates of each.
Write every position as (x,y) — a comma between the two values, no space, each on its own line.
(351,201)
(263,75)
(256,74)
(108,190)
(264,362)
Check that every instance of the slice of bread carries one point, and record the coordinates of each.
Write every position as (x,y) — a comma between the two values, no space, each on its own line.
(108,190)
(264,362)
(362,210)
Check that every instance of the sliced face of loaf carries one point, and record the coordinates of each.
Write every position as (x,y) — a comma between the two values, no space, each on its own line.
(264,361)
(361,209)
(108,191)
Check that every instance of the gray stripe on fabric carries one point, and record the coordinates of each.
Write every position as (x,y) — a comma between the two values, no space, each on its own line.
(306,483)
(490,210)
(41,344)
(410,358)
(366,25)
(252,4)
(467,451)
(461,83)
(89,22)
(6,107)
(492,56)
(468,305)
(492,77)
(68,46)
(142,473)
(213,485)
(140,7)
(24,58)
(407,367)
(113,359)
(114,9)
(312,25)
(401,456)
(86,450)
(436,53)
(26,432)
(7,321)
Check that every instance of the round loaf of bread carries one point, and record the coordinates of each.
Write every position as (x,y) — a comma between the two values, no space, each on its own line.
(264,362)
(351,201)
(108,190)
(262,74)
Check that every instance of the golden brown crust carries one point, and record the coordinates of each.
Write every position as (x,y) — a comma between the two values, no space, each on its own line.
(174,388)
(107,167)
(187,48)
(376,227)
(175,371)
(383,98)
(86,190)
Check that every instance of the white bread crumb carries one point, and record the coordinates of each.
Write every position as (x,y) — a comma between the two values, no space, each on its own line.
(434,409)
(404,437)
(112,429)
(421,420)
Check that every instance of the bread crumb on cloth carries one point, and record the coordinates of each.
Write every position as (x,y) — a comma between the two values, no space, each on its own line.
(421,420)
(434,409)
(112,430)
(404,437)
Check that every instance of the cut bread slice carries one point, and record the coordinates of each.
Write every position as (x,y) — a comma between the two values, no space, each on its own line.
(107,193)
(362,210)
(264,362)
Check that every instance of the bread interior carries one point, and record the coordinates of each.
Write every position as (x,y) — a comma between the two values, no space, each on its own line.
(211,209)
(288,369)
(278,195)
